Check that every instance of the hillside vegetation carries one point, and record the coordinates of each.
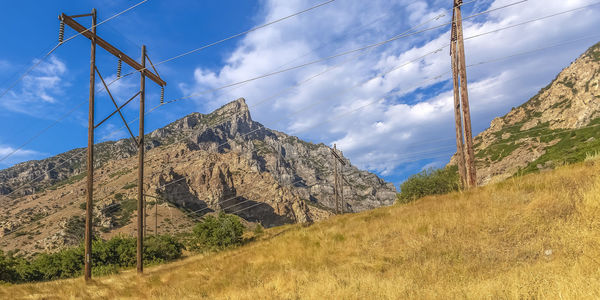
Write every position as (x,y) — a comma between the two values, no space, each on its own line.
(559,125)
(536,236)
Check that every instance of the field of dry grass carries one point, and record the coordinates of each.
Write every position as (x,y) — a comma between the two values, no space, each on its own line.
(532,237)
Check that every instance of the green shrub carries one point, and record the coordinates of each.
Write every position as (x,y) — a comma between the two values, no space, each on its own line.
(119,251)
(63,264)
(162,248)
(215,233)
(8,272)
(429,182)
(107,258)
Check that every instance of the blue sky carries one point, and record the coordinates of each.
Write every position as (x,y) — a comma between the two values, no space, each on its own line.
(394,125)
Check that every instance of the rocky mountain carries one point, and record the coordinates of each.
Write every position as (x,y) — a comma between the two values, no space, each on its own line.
(560,124)
(222,161)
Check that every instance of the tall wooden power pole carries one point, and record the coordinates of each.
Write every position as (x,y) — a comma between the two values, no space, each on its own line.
(335,187)
(96,40)
(464,93)
(140,205)
(460,149)
(338,184)
(87,274)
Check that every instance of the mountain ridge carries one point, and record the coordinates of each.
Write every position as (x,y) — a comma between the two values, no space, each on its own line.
(198,164)
(554,127)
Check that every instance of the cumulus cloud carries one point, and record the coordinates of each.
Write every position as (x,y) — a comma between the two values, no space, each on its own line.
(39,89)
(16,156)
(387,122)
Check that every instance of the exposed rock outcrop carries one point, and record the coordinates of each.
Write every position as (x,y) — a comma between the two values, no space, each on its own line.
(199,164)
(541,133)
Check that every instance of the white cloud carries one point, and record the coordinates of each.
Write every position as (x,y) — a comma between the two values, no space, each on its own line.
(121,89)
(16,156)
(38,89)
(415,120)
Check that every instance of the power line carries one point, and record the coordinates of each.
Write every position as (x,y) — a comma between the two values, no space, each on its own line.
(260,127)
(256,130)
(337,55)
(31,139)
(40,60)
(347,52)
(364,106)
(468,2)
(323,45)
(245,32)
(269,98)
(128,74)
(404,161)
(465,38)
(255,78)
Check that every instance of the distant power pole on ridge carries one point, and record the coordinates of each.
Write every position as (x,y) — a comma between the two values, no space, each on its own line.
(122,57)
(338,188)
(465,153)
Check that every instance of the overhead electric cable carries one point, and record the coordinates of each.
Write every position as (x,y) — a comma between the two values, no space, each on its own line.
(355,50)
(471,37)
(40,60)
(131,73)
(245,32)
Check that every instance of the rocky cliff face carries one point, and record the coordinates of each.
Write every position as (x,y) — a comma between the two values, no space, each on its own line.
(223,161)
(305,168)
(558,125)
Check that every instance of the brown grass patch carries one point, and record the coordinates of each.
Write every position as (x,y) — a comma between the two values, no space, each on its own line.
(532,237)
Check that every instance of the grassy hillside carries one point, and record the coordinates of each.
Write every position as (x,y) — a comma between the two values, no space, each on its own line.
(536,236)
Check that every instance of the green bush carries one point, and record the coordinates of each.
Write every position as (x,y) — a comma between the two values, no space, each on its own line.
(63,264)
(215,233)
(8,272)
(107,258)
(162,248)
(119,251)
(429,182)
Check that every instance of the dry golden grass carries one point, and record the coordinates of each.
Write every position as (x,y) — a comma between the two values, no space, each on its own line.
(531,237)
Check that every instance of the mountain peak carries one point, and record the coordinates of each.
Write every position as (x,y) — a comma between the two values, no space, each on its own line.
(237,108)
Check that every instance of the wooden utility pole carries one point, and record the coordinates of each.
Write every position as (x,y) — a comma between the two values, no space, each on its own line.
(464,93)
(338,184)
(335,187)
(96,40)
(87,274)
(460,149)
(140,204)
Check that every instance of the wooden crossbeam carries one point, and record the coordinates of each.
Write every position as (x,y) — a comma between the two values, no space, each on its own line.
(116,106)
(111,49)
(338,157)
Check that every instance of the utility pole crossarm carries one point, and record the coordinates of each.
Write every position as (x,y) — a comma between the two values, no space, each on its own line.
(111,49)
(338,157)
